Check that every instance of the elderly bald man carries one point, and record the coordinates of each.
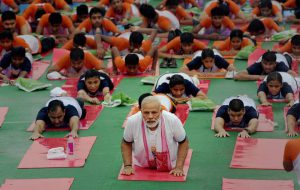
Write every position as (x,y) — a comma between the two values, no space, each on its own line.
(155,138)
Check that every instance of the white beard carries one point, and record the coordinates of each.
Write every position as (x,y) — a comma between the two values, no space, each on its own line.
(152,125)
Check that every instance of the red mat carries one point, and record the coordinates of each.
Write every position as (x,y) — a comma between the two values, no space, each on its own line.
(57,54)
(285,110)
(252,153)
(145,174)
(37,184)
(71,86)
(144,74)
(38,69)
(182,112)
(254,56)
(296,27)
(92,112)
(204,85)
(3,112)
(36,155)
(265,120)
(253,184)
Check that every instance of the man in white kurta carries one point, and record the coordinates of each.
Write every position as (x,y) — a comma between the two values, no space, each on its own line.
(154,122)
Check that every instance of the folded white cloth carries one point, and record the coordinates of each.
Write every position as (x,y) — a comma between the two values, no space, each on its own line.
(56,150)
(55,76)
(57,92)
(230,74)
(112,103)
(56,153)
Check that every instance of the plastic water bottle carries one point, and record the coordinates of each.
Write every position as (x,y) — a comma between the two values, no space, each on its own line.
(70,146)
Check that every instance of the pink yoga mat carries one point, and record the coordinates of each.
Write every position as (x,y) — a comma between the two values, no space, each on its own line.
(36,155)
(38,184)
(71,86)
(204,86)
(296,27)
(257,153)
(57,54)
(254,56)
(253,184)
(146,174)
(3,112)
(92,113)
(265,120)
(182,112)
(38,69)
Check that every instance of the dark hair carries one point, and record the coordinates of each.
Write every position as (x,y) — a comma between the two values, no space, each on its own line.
(91,73)
(265,4)
(136,38)
(82,10)
(76,54)
(5,34)
(142,97)
(236,33)
(47,43)
(236,105)
(39,13)
(176,80)
(225,8)
(18,51)
(207,53)
(217,11)
(172,3)
(131,59)
(269,56)
(96,10)
(295,40)
(54,104)
(297,13)
(186,38)
(79,39)
(55,18)
(256,26)
(147,11)
(274,76)
(8,15)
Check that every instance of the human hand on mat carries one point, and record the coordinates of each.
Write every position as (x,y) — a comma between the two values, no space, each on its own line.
(95,101)
(266,103)
(244,134)
(100,53)
(177,172)
(182,100)
(222,133)
(107,98)
(35,136)
(127,170)
(291,103)
(74,134)
(292,133)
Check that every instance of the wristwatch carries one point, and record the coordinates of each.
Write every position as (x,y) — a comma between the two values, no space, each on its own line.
(246,129)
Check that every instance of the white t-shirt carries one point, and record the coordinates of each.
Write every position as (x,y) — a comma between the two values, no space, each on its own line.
(133,133)
(68,101)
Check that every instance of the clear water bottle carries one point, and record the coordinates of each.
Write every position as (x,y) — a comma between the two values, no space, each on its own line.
(70,146)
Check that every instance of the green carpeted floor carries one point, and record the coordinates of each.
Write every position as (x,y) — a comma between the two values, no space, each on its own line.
(211,155)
